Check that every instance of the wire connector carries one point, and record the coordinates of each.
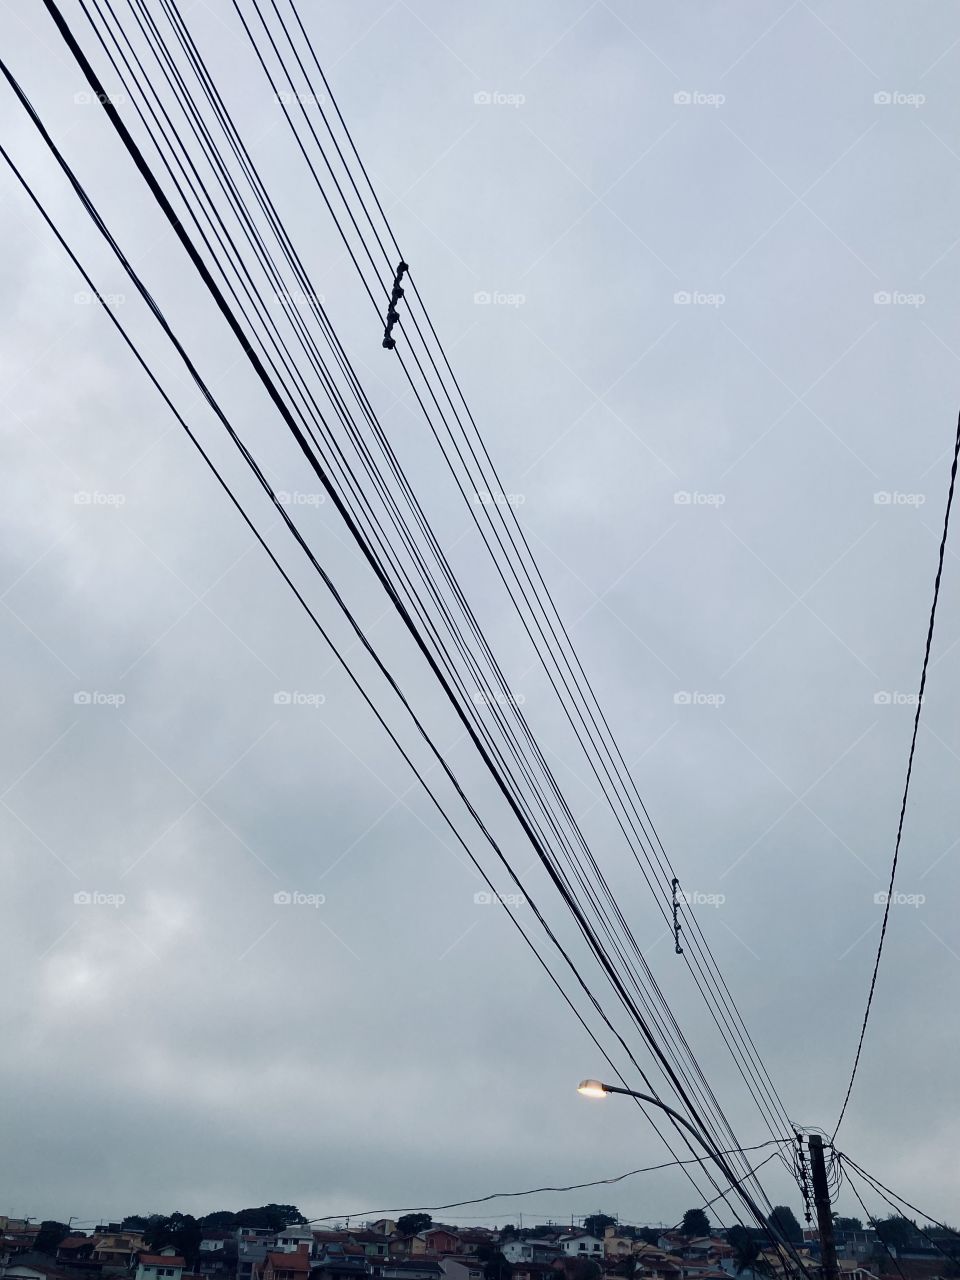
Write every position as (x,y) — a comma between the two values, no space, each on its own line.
(389,341)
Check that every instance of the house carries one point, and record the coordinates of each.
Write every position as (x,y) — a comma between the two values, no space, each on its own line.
(535,1270)
(581,1245)
(383,1227)
(441,1240)
(165,1265)
(530,1250)
(402,1245)
(461,1268)
(75,1249)
(250,1258)
(408,1269)
(291,1238)
(118,1248)
(285,1265)
(374,1244)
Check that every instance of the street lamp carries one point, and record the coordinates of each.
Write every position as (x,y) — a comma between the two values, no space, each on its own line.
(597,1089)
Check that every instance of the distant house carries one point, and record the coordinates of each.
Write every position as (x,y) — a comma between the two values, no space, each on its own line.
(285,1266)
(165,1265)
(530,1250)
(118,1248)
(461,1268)
(384,1227)
(441,1240)
(374,1243)
(75,1249)
(408,1269)
(581,1245)
(414,1244)
(291,1238)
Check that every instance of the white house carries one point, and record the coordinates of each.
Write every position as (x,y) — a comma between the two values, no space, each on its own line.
(165,1265)
(291,1238)
(582,1245)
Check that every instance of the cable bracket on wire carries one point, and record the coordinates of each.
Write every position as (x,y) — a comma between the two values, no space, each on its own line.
(676,918)
(392,314)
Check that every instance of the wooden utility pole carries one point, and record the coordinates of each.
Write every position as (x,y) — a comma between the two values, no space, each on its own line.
(821,1198)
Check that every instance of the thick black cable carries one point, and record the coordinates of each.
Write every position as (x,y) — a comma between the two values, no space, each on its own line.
(649,1009)
(339,600)
(906,786)
(583,674)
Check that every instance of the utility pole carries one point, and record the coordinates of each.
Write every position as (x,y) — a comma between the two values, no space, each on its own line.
(821,1198)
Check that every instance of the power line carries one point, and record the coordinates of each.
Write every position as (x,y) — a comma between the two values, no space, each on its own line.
(906,785)
(531,1191)
(341,604)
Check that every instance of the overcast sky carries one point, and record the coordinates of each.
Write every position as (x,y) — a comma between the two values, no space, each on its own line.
(719,369)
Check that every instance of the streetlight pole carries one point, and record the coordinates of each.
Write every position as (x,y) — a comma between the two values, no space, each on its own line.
(597,1089)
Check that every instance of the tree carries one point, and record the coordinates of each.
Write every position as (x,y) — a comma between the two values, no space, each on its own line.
(136,1222)
(508,1232)
(847,1224)
(181,1230)
(895,1232)
(650,1235)
(49,1236)
(783,1223)
(270,1217)
(220,1218)
(695,1223)
(746,1248)
(410,1223)
(596,1223)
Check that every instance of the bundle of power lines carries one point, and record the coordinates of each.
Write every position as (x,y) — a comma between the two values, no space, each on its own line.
(195,162)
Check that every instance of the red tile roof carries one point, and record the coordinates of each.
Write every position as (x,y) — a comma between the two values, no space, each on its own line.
(161,1260)
(299,1261)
